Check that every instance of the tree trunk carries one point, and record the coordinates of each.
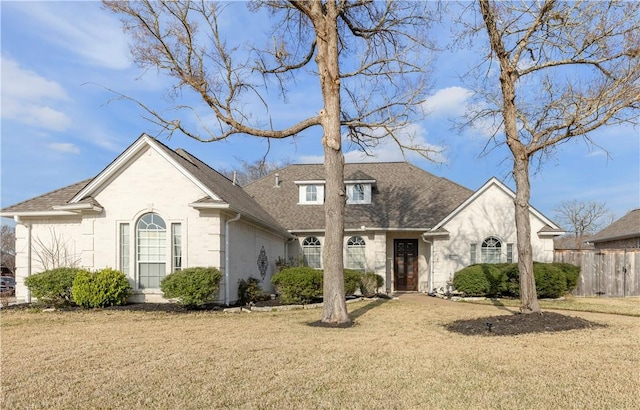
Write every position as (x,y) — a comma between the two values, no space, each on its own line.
(528,297)
(335,307)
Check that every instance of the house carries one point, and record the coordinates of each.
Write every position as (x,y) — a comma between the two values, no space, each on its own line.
(155,210)
(622,233)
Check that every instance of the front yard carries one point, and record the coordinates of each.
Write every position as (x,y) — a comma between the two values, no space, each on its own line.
(397,355)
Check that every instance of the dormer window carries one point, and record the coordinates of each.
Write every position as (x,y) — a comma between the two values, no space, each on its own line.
(358,193)
(310,192)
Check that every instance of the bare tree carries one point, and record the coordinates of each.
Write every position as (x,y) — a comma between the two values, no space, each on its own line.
(565,70)
(57,251)
(8,247)
(246,172)
(583,218)
(366,56)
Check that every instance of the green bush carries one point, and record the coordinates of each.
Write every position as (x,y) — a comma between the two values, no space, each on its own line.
(192,287)
(480,280)
(572,272)
(551,282)
(370,283)
(352,279)
(249,290)
(53,286)
(552,279)
(298,285)
(106,287)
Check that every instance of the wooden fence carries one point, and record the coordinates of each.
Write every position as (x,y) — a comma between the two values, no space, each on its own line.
(608,273)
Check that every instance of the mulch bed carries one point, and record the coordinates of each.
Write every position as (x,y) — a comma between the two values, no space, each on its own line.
(517,324)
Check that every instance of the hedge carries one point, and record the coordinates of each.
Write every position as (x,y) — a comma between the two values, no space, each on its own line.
(53,286)
(106,287)
(552,279)
(192,287)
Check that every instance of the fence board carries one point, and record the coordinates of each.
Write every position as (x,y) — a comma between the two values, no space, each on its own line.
(610,272)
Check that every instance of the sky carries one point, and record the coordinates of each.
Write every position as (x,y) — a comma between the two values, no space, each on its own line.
(61,123)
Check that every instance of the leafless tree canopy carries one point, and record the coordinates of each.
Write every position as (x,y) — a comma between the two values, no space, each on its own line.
(383,58)
(246,172)
(55,251)
(582,218)
(8,247)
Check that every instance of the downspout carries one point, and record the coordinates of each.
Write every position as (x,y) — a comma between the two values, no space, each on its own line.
(18,221)
(226,257)
(430,263)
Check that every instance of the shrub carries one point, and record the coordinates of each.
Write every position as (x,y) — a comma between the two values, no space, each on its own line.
(572,273)
(551,282)
(352,279)
(480,280)
(53,286)
(298,285)
(192,287)
(249,290)
(370,283)
(106,287)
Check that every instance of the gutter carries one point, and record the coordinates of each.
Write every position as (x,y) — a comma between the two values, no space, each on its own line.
(19,221)
(431,261)
(226,257)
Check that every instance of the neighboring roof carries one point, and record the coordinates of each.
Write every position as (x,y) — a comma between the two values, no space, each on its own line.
(626,227)
(403,197)
(46,202)
(570,242)
(550,227)
(223,190)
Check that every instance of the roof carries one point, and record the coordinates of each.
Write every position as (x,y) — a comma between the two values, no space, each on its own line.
(626,227)
(46,202)
(570,242)
(403,197)
(225,192)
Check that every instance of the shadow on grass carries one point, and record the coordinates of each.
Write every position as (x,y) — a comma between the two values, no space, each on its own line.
(501,306)
(352,315)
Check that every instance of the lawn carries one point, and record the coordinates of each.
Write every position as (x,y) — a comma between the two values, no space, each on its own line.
(397,355)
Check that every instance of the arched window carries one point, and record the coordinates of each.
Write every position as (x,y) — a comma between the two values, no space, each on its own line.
(491,250)
(151,250)
(355,253)
(311,252)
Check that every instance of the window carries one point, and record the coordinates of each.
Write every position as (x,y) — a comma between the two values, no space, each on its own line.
(473,255)
(355,253)
(311,252)
(358,193)
(125,243)
(176,240)
(491,250)
(311,194)
(509,253)
(151,250)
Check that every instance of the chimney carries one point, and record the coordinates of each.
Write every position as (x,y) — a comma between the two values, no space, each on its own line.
(277,185)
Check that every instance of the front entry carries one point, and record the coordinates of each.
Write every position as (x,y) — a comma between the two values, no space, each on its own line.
(405,264)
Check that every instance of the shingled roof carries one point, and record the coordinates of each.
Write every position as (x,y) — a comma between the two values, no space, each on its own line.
(626,227)
(403,197)
(47,202)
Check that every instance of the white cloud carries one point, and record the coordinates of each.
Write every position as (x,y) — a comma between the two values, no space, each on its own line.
(82,28)
(388,150)
(447,102)
(28,97)
(64,147)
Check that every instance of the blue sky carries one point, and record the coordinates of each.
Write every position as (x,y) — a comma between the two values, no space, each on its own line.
(60,125)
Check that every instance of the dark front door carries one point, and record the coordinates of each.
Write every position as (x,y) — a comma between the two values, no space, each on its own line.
(405,264)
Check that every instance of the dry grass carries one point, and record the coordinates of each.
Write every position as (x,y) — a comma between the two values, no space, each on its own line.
(618,306)
(398,355)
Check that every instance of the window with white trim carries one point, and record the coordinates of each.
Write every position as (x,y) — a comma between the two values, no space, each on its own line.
(509,253)
(125,243)
(358,193)
(491,250)
(151,250)
(473,257)
(355,258)
(176,247)
(311,194)
(312,252)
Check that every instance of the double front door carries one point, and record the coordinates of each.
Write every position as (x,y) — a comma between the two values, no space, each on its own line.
(405,264)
